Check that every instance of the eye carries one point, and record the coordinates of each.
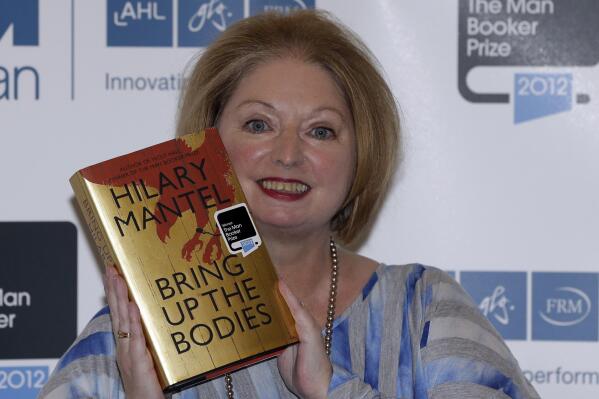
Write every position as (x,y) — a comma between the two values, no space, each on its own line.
(257,126)
(322,133)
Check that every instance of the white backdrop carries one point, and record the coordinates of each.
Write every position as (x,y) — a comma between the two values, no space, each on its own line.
(476,190)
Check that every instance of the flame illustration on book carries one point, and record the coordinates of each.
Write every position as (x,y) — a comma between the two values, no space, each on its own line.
(188,186)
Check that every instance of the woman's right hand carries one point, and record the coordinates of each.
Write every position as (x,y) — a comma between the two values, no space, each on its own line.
(132,355)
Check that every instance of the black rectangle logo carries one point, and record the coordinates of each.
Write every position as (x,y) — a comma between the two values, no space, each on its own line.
(38,289)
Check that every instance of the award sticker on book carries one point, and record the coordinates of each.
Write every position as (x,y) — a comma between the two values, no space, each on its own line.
(237,227)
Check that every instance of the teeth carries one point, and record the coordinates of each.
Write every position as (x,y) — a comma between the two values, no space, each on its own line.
(296,188)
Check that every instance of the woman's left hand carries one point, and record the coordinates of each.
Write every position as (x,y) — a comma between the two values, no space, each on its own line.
(305,367)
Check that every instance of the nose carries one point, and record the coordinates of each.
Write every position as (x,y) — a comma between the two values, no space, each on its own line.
(287,149)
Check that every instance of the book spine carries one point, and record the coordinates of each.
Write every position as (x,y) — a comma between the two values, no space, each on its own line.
(93,220)
(105,247)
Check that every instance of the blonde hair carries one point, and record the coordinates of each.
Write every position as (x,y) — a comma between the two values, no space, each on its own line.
(312,36)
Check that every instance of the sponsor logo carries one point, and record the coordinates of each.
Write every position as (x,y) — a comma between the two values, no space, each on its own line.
(497,305)
(37,286)
(21,20)
(573,308)
(526,33)
(22,382)
(140,23)
(501,297)
(23,17)
(565,306)
(201,21)
(146,23)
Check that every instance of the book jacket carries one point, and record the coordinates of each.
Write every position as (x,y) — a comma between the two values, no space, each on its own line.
(174,221)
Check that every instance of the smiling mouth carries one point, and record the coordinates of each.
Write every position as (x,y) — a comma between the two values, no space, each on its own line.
(284,186)
(283,189)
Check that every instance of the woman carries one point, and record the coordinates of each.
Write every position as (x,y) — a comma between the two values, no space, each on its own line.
(311,129)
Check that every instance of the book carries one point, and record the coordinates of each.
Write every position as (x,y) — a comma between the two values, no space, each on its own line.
(173,219)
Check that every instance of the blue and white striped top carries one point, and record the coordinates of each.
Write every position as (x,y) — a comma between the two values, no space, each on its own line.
(412,333)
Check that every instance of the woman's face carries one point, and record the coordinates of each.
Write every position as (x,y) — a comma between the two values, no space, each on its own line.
(289,133)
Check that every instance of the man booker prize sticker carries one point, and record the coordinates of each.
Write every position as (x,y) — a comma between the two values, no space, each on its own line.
(238,229)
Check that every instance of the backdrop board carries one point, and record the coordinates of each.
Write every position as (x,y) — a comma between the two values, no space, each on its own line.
(498,184)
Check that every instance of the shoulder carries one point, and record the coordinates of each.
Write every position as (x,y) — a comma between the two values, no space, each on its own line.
(432,297)
(88,367)
(411,292)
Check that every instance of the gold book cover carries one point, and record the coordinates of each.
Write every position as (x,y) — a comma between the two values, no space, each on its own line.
(174,221)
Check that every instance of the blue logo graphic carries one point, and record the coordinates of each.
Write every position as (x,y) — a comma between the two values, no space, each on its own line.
(149,23)
(140,23)
(202,21)
(565,306)
(284,6)
(23,16)
(501,296)
(22,382)
(540,94)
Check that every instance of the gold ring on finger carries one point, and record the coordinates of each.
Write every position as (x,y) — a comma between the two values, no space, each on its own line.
(122,334)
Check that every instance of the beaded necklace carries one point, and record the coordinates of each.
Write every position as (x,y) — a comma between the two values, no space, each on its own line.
(328,329)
